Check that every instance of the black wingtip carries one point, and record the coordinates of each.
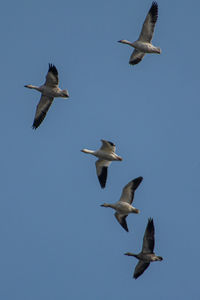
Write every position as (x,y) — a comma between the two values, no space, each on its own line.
(150,225)
(53,69)
(124,224)
(154,6)
(135,61)
(136,182)
(150,220)
(112,144)
(154,11)
(103,176)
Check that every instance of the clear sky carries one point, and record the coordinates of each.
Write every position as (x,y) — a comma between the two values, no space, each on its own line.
(56,240)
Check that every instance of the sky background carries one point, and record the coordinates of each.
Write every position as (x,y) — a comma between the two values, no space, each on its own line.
(56,240)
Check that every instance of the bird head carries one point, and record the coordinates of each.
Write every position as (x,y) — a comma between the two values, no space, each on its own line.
(130,254)
(105,205)
(123,41)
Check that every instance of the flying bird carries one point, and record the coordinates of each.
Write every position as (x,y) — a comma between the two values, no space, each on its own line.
(49,91)
(123,207)
(146,256)
(143,45)
(106,154)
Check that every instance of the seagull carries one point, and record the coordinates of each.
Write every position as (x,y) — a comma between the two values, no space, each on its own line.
(143,45)
(123,207)
(49,91)
(106,154)
(146,256)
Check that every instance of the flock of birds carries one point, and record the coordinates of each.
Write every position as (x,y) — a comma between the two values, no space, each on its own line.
(106,154)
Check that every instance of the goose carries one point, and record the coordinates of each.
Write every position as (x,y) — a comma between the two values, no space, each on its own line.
(146,256)
(106,154)
(143,45)
(123,207)
(49,91)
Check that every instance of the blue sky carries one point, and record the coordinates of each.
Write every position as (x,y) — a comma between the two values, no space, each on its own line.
(56,240)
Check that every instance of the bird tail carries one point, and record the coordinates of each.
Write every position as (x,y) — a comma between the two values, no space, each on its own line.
(159,50)
(136,211)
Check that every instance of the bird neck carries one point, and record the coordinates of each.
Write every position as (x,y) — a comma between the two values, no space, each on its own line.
(88,151)
(108,205)
(127,42)
(30,86)
(132,254)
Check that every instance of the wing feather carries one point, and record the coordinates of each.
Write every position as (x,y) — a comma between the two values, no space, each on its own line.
(107,146)
(102,171)
(129,190)
(41,110)
(122,220)
(149,24)
(148,239)
(140,268)
(52,77)
(136,57)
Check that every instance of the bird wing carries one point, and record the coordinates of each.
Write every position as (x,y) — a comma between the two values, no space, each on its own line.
(102,171)
(107,146)
(122,220)
(140,268)
(148,239)
(129,190)
(52,77)
(136,57)
(149,24)
(41,110)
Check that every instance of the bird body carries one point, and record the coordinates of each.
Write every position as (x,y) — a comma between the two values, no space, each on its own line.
(146,256)
(106,154)
(123,207)
(146,47)
(143,45)
(49,91)
(103,155)
(54,92)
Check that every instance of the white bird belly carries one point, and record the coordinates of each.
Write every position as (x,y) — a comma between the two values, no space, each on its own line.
(124,208)
(145,47)
(104,155)
(50,92)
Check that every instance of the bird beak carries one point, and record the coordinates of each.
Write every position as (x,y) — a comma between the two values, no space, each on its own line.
(120,158)
(119,41)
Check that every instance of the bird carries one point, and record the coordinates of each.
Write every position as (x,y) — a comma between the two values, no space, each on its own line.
(106,154)
(49,91)
(123,207)
(143,45)
(146,256)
